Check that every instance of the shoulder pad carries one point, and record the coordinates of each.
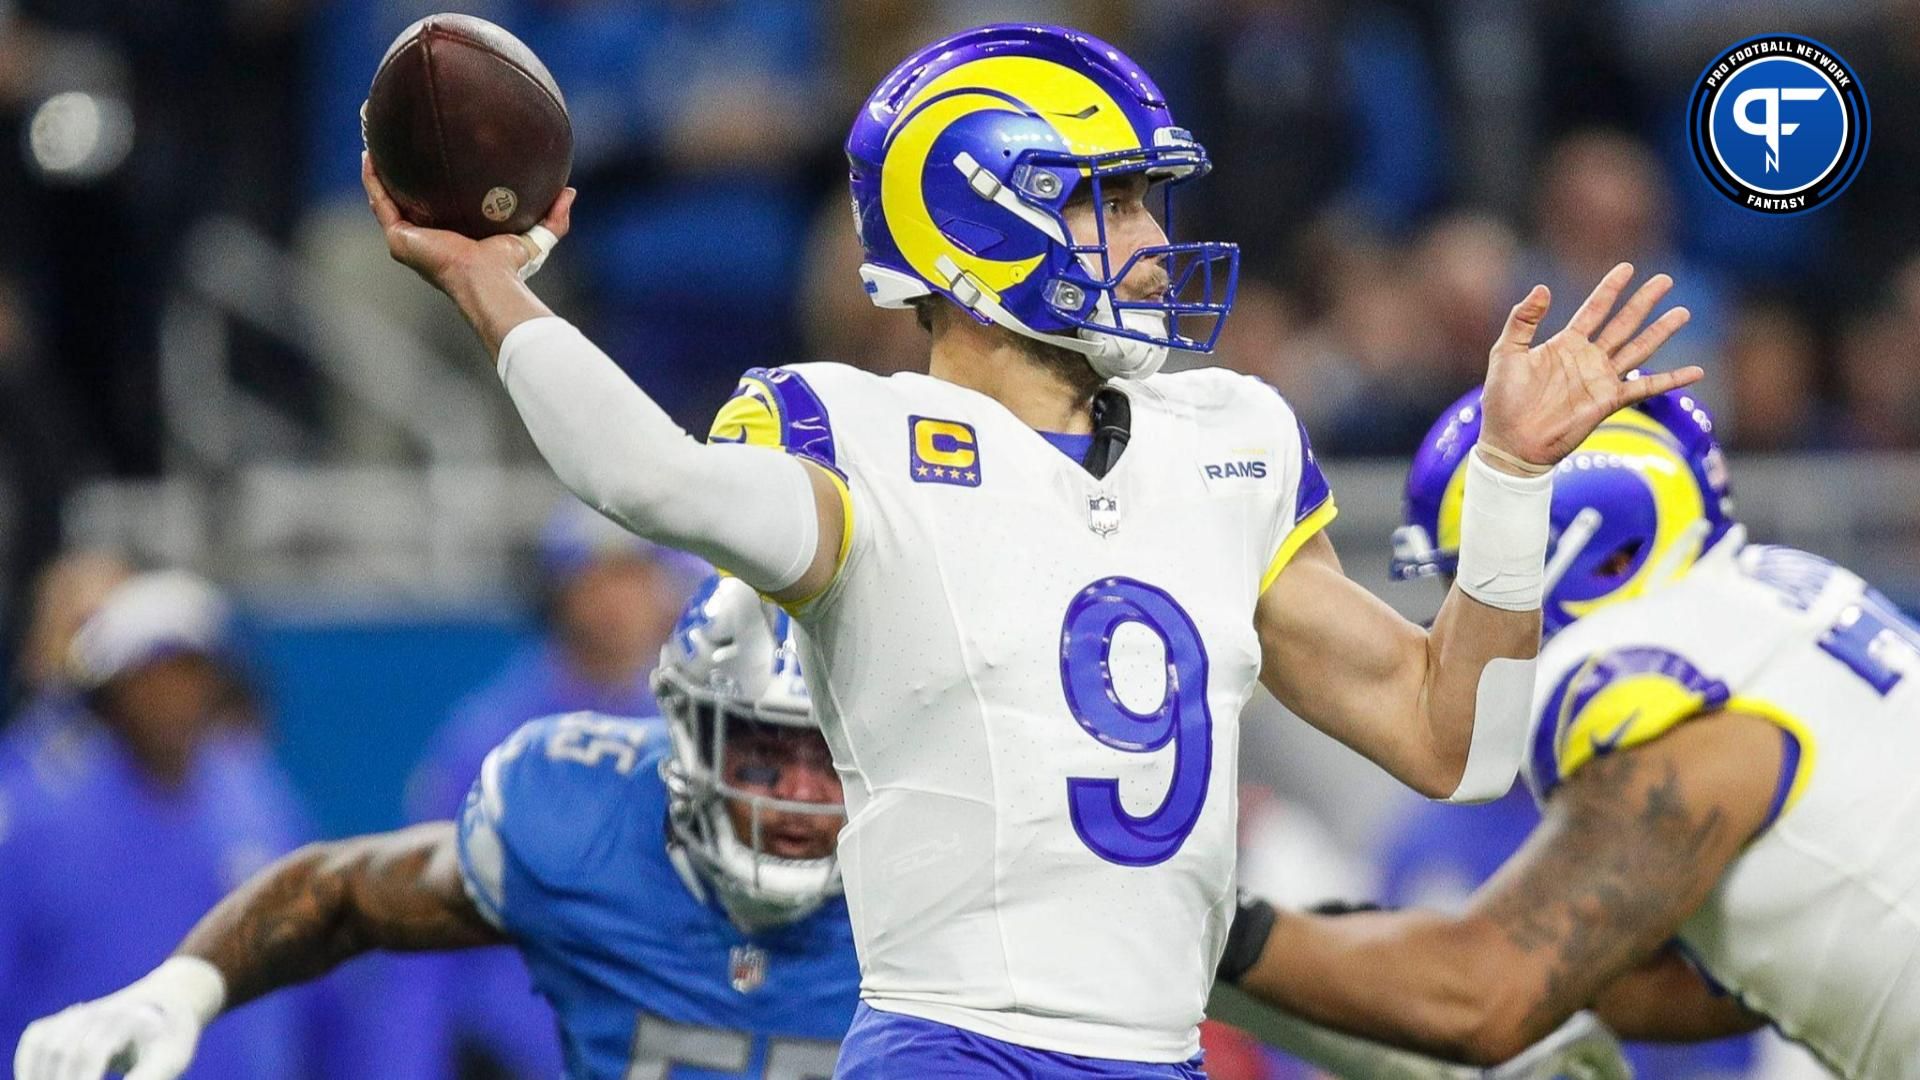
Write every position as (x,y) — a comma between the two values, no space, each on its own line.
(1307,505)
(546,799)
(1611,700)
(784,408)
(1203,388)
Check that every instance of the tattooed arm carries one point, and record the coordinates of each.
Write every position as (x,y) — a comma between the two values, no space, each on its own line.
(291,922)
(1666,1000)
(328,902)
(1629,847)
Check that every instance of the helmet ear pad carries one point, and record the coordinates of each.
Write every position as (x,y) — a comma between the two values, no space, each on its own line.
(995,140)
(1009,155)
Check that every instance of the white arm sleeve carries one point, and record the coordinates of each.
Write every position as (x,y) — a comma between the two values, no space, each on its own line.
(1502,717)
(749,509)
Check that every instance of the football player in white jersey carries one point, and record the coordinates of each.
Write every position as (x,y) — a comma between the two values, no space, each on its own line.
(1037,583)
(1724,738)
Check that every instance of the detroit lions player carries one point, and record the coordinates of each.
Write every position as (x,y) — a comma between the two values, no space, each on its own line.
(1037,584)
(673,886)
(1724,739)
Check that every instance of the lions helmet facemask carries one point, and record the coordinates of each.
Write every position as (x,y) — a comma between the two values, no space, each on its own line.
(1634,506)
(730,668)
(963,160)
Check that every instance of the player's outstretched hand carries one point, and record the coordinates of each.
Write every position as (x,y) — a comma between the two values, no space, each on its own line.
(442,256)
(1542,400)
(127,1032)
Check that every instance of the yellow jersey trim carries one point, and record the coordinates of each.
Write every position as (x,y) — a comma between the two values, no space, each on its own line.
(1301,533)
(1792,725)
(1630,711)
(750,416)
(794,607)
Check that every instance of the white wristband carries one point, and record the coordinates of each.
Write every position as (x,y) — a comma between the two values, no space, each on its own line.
(189,981)
(1503,536)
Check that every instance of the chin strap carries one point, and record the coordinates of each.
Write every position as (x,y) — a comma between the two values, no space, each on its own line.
(1117,357)
(1112,427)
(753,914)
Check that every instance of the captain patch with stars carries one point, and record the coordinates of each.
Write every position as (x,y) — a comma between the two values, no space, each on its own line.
(1779,123)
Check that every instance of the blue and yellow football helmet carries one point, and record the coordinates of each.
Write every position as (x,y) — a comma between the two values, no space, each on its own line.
(962,161)
(1634,505)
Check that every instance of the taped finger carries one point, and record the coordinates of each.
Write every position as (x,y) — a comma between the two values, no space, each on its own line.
(539,242)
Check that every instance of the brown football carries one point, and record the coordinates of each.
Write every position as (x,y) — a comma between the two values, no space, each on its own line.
(466,128)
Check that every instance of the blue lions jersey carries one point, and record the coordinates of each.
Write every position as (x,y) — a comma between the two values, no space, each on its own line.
(563,845)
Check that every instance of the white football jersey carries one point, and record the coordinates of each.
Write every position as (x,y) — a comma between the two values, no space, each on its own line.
(1817,924)
(1032,680)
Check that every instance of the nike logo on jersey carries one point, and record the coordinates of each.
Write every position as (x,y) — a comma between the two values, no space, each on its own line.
(1604,746)
(750,410)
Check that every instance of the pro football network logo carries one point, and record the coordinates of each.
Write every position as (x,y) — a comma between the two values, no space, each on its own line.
(1779,124)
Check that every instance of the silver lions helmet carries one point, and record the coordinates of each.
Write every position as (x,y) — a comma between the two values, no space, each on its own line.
(754,803)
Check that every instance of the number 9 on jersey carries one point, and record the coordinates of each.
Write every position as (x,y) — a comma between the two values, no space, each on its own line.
(1183,718)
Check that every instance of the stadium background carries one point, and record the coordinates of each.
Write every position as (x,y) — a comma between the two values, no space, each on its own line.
(207,362)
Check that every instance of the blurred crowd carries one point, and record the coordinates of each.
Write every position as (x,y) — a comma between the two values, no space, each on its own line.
(1397,172)
(139,785)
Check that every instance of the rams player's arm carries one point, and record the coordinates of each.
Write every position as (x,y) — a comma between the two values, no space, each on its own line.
(774,522)
(328,902)
(1629,847)
(1404,697)
(1667,1000)
(771,519)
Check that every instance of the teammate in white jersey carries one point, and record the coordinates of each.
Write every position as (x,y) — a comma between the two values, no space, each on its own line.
(1030,662)
(1724,742)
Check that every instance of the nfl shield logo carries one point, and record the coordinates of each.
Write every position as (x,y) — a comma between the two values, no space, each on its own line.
(747,968)
(1103,514)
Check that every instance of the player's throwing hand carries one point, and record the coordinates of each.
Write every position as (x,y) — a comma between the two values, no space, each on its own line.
(1542,400)
(442,256)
